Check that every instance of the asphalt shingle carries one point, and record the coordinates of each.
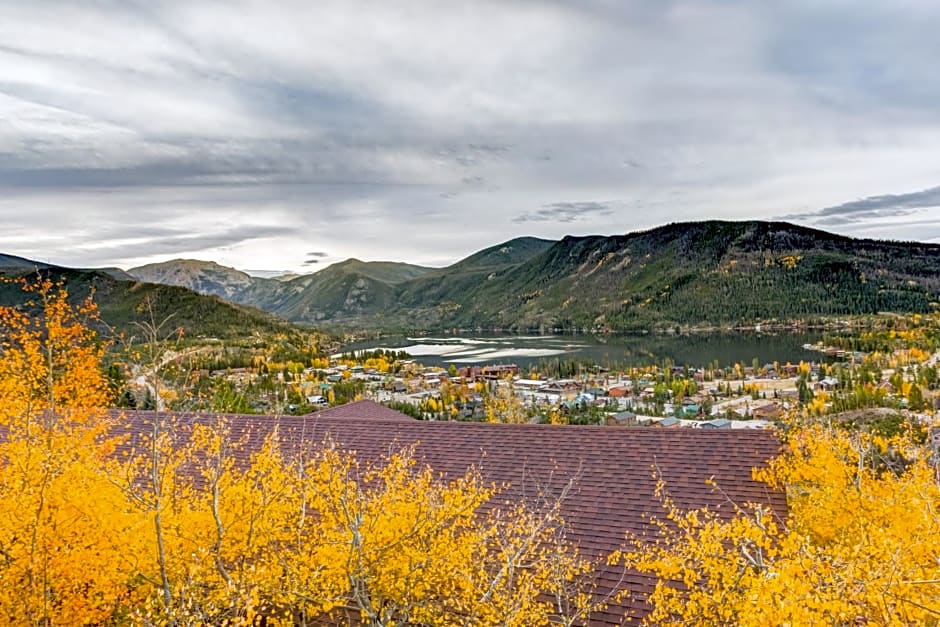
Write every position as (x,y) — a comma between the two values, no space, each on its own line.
(612,469)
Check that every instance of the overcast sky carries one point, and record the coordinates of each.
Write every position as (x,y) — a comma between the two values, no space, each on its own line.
(283,135)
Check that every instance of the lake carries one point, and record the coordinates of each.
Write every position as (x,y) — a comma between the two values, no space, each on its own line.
(526,350)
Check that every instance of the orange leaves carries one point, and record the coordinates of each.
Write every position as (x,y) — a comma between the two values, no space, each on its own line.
(64,527)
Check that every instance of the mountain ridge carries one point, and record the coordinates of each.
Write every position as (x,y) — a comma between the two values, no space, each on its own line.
(122,303)
(683,273)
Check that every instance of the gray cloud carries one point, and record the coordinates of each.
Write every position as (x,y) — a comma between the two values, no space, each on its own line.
(565,212)
(315,258)
(873,208)
(182,242)
(416,131)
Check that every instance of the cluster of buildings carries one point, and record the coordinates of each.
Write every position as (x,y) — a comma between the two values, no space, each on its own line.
(620,399)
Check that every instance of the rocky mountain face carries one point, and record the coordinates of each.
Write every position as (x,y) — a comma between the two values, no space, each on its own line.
(698,273)
(205,277)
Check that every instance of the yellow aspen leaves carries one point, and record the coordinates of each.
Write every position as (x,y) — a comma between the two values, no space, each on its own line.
(65,530)
(857,548)
(196,521)
(502,404)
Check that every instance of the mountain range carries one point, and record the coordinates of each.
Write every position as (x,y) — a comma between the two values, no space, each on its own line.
(697,273)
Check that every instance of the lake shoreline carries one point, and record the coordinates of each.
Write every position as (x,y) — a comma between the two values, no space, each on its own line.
(842,324)
(693,349)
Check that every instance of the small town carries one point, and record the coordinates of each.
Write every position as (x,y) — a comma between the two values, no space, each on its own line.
(755,395)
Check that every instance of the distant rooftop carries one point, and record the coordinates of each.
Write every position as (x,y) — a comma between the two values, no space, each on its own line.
(362,410)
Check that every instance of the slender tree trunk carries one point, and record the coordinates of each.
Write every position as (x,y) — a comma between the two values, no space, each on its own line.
(157,518)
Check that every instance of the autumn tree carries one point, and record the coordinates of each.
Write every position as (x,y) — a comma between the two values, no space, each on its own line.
(297,539)
(188,520)
(65,529)
(502,404)
(858,547)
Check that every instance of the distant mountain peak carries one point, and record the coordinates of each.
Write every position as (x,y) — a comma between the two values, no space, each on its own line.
(205,277)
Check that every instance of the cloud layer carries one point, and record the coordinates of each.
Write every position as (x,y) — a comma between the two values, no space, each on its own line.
(251,133)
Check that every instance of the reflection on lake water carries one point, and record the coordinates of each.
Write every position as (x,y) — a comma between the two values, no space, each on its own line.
(525,350)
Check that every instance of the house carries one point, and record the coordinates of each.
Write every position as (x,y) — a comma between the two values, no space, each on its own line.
(770,411)
(689,410)
(717,423)
(561,387)
(530,385)
(500,371)
(670,421)
(623,418)
(470,373)
(619,392)
(614,489)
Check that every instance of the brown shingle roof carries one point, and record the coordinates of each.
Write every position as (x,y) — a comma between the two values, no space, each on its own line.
(613,468)
(364,409)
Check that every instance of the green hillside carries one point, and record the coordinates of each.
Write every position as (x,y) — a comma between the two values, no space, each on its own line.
(121,303)
(339,293)
(706,272)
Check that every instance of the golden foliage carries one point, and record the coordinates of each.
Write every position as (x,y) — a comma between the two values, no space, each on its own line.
(504,405)
(187,524)
(858,548)
(58,510)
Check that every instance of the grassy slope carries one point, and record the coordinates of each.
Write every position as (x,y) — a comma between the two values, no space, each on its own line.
(122,302)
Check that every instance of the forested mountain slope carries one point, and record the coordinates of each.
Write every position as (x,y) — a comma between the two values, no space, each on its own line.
(698,273)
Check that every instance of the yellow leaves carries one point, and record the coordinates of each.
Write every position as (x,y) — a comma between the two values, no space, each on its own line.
(188,525)
(818,405)
(63,524)
(790,261)
(906,388)
(379,363)
(556,417)
(432,405)
(858,530)
(503,405)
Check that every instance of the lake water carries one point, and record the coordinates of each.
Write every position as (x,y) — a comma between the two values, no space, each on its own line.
(525,350)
